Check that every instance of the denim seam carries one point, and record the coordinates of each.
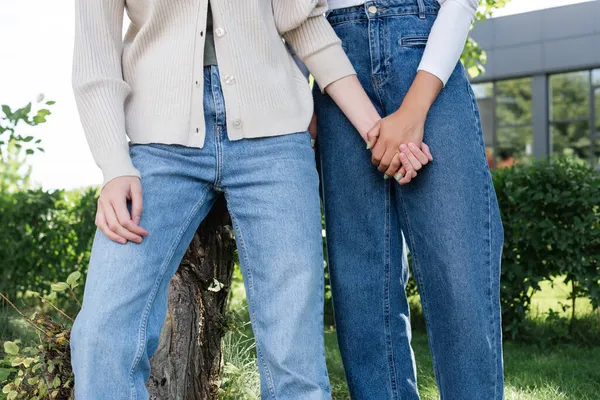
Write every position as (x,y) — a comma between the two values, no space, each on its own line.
(381,16)
(218,135)
(242,245)
(141,346)
(420,285)
(386,295)
(489,250)
(374,80)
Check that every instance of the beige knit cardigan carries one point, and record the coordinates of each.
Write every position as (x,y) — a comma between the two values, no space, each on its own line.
(149,86)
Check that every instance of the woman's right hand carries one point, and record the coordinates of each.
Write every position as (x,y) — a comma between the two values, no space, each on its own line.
(113,217)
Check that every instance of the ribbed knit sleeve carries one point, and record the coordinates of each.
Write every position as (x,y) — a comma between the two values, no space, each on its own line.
(98,84)
(303,25)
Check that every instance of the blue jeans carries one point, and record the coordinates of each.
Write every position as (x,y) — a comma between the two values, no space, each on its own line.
(271,187)
(449,216)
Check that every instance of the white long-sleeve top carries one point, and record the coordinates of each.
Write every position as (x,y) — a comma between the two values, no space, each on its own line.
(447,38)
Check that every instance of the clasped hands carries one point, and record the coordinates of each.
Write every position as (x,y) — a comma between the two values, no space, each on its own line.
(396,144)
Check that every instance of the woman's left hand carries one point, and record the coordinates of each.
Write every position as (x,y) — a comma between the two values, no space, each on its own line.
(397,145)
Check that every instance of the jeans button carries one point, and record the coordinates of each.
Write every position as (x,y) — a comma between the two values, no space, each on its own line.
(372,9)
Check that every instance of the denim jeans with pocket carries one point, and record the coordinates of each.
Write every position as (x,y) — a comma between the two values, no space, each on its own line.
(449,216)
(272,192)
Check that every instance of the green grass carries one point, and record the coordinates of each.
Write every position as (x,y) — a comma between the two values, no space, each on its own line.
(557,372)
(563,372)
(553,296)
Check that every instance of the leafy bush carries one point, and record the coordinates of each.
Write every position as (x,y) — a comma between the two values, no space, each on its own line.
(551,216)
(44,370)
(43,237)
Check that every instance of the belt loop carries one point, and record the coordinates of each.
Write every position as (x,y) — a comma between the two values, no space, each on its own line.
(421,9)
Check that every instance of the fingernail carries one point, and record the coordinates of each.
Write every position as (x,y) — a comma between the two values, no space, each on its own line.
(312,142)
(368,145)
(123,241)
(385,177)
(398,176)
(136,220)
(403,147)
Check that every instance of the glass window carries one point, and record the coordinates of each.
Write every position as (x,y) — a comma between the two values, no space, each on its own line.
(514,145)
(596,77)
(571,139)
(484,93)
(597,116)
(513,102)
(569,96)
(597,109)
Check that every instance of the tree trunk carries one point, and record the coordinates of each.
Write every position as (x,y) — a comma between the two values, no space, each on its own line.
(187,363)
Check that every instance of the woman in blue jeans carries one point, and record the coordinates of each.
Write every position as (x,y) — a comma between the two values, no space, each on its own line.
(406,55)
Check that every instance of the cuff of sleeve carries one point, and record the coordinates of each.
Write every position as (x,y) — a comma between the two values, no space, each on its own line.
(119,165)
(435,69)
(329,65)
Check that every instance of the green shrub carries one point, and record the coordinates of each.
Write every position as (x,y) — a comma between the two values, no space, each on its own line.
(41,370)
(551,216)
(43,237)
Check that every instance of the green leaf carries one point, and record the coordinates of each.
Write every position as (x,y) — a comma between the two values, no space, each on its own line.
(7,388)
(56,382)
(11,348)
(7,111)
(5,373)
(51,102)
(11,395)
(29,151)
(73,278)
(59,287)
(28,139)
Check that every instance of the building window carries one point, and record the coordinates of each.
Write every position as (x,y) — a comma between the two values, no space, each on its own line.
(514,108)
(596,77)
(570,132)
(506,118)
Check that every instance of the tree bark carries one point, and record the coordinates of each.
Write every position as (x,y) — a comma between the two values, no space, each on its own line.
(187,364)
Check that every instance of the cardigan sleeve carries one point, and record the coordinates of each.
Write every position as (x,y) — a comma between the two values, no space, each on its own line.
(303,25)
(447,38)
(98,84)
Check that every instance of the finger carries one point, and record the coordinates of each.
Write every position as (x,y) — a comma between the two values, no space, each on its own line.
(401,172)
(417,152)
(377,153)
(112,211)
(125,221)
(372,135)
(102,224)
(386,160)
(137,207)
(411,157)
(427,151)
(410,172)
(394,166)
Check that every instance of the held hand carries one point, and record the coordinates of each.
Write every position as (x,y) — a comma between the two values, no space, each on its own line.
(113,217)
(397,145)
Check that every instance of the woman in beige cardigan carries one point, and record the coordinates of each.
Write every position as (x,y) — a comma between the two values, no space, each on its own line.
(196,130)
